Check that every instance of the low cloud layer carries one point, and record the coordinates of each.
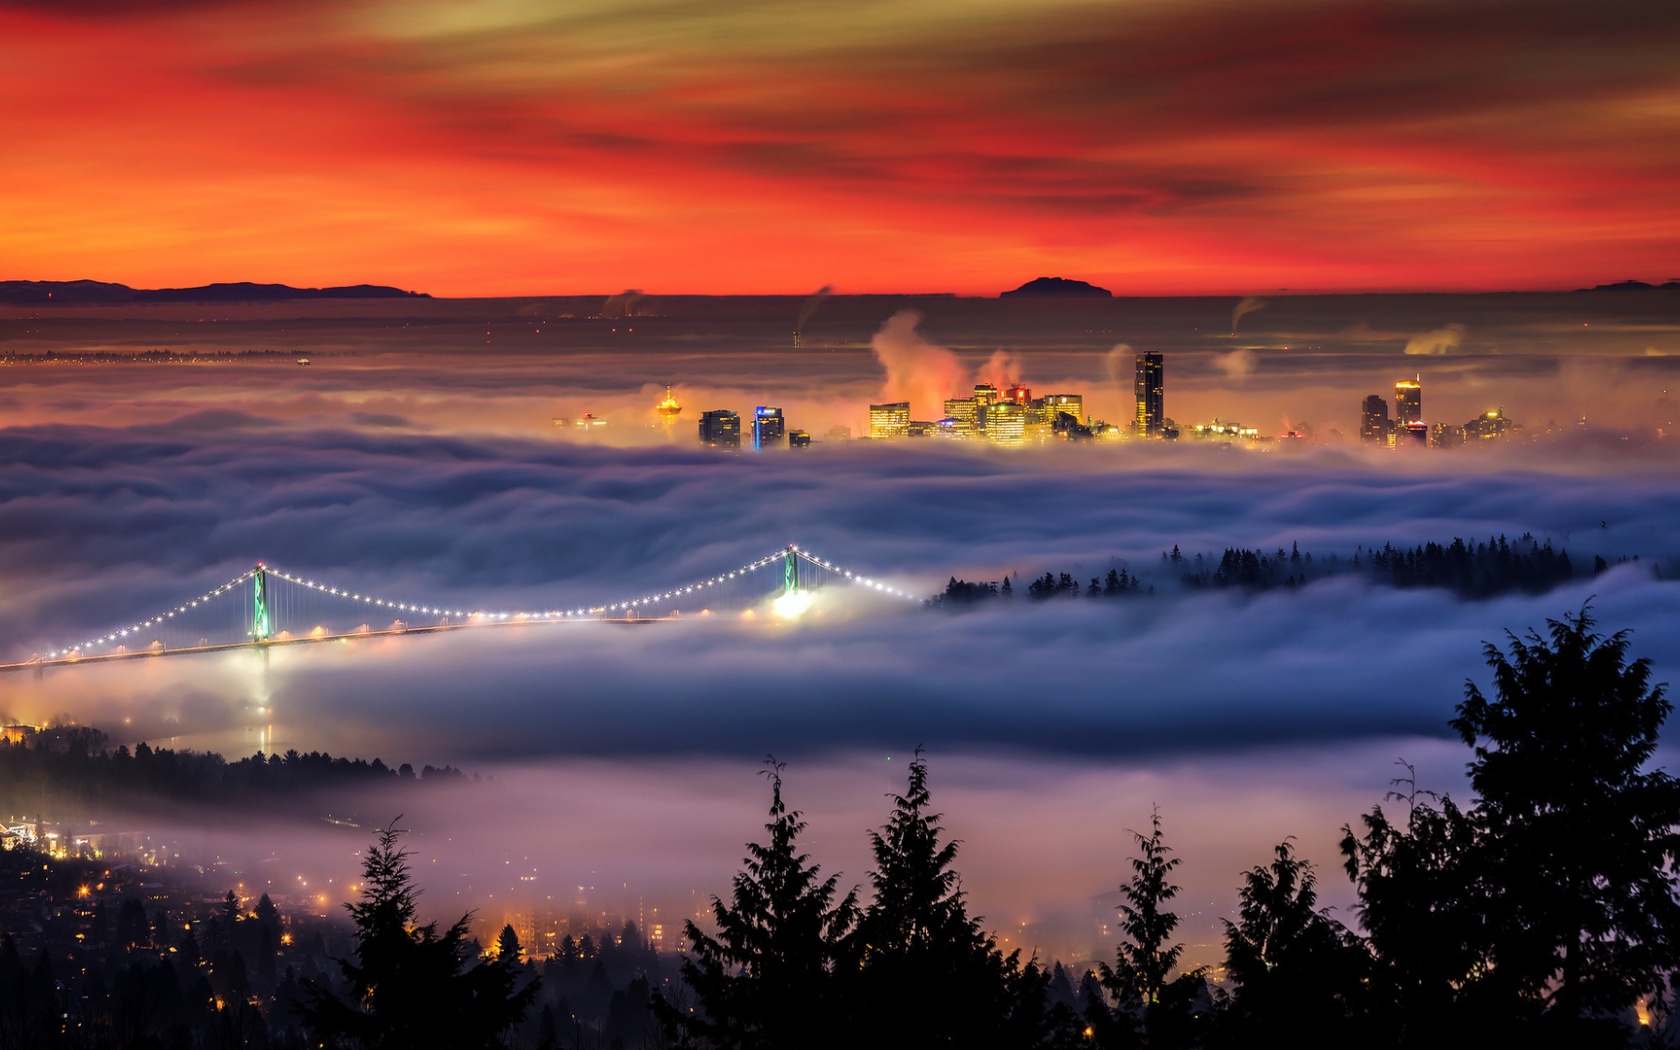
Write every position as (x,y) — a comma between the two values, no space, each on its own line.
(625,755)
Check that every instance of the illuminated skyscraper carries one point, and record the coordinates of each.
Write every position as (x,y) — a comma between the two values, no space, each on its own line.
(891,420)
(720,428)
(966,413)
(1072,404)
(1005,423)
(1489,426)
(768,427)
(1151,396)
(1408,401)
(1373,419)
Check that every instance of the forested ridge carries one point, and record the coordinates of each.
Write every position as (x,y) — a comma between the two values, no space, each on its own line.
(1469,569)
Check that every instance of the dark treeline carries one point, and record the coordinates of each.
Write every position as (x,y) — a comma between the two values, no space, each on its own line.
(1542,915)
(75,766)
(1119,583)
(1469,569)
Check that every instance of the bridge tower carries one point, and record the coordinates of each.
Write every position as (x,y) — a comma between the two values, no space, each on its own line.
(790,572)
(262,626)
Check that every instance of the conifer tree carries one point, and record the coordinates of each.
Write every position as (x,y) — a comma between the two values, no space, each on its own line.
(926,964)
(770,979)
(1298,974)
(410,985)
(1151,1007)
(1579,832)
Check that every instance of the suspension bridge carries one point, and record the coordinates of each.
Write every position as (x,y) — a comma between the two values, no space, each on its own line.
(265,606)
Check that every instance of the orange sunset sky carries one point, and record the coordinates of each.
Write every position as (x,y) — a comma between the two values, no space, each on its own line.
(509,147)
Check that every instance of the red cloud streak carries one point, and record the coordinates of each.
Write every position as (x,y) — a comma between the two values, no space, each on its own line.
(505,148)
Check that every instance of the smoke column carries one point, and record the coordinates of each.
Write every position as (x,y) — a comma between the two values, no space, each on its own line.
(810,306)
(621,304)
(917,371)
(1247,305)
(1001,371)
(1438,341)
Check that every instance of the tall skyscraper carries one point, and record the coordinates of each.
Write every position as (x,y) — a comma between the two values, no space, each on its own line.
(1408,401)
(1151,396)
(768,427)
(1373,419)
(720,428)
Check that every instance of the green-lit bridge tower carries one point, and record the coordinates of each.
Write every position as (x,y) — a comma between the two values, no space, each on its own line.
(262,626)
(790,572)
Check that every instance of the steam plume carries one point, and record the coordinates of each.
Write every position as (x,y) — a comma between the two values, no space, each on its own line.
(810,306)
(1438,341)
(1001,371)
(1121,363)
(1245,306)
(917,371)
(1238,364)
(621,305)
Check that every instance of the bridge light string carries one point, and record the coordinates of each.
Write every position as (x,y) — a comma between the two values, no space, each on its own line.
(852,576)
(156,621)
(628,606)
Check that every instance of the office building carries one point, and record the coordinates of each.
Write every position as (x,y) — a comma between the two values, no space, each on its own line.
(1071,404)
(888,421)
(720,428)
(769,428)
(1151,396)
(1005,423)
(1225,430)
(1489,426)
(1373,419)
(964,414)
(799,439)
(1408,401)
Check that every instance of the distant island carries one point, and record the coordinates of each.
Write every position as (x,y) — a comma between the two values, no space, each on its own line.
(84,292)
(1057,288)
(1634,286)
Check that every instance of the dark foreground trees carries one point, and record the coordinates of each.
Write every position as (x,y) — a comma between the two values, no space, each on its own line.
(773,976)
(928,974)
(1579,835)
(796,965)
(1548,909)
(1154,1005)
(1296,974)
(409,985)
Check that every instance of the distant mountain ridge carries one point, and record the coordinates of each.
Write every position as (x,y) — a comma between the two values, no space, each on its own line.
(75,292)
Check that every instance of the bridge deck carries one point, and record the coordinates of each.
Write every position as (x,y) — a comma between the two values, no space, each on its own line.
(314,639)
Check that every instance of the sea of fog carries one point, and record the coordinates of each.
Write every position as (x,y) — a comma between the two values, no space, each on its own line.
(417,455)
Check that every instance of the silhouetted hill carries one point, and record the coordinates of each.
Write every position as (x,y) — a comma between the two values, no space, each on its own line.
(1057,287)
(1633,286)
(79,292)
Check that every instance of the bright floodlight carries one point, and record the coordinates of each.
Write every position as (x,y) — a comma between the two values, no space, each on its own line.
(791,604)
